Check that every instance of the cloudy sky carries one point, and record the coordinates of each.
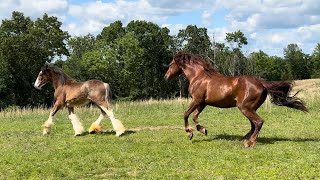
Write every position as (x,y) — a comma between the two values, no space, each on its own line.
(269,25)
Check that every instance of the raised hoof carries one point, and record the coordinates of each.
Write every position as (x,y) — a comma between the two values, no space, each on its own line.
(190,136)
(202,129)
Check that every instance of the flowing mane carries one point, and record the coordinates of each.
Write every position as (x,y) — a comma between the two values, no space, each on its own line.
(63,77)
(182,58)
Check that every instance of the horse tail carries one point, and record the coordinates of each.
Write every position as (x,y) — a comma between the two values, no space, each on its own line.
(279,92)
(108,96)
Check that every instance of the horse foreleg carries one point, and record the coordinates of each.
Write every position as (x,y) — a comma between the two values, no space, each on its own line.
(77,126)
(195,119)
(96,126)
(47,126)
(117,124)
(191,108)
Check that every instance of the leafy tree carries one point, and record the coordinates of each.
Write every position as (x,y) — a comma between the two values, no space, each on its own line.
(194,40)
(112,32)
(298,62)
(315,62)
(78,46)
(156,42)
(26,45)
(234,62)
(237,39)
(219,55)
(270,68)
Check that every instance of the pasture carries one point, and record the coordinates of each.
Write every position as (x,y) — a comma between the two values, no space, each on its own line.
(156,146)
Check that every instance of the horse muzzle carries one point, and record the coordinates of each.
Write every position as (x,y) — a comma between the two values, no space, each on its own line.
(38,85)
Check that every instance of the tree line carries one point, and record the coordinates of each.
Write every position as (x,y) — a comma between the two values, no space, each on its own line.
(131,58)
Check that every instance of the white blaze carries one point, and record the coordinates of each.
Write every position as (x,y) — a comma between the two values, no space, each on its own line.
(37,83)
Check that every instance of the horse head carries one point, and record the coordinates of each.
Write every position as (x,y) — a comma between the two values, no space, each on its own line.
(175,68)
(44,76)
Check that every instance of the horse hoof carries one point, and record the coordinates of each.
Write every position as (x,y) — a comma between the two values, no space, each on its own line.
(118,134)
(76,135)
(92,132)
(205,132)
(45,132)
(248,143)
(190,136)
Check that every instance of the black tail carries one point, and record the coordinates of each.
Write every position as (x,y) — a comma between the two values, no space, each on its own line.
(279,92)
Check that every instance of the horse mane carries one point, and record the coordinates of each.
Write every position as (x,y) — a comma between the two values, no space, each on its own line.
(182,58)
(63,77)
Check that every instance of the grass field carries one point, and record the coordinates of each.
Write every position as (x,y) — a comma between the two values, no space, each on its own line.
(156,146)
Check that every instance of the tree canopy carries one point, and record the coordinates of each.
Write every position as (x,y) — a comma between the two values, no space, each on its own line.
(131,58)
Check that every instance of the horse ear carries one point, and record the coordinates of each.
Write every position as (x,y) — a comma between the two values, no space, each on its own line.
(45,66)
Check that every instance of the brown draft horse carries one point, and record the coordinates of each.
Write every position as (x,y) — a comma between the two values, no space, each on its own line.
(70,93)
(208,87)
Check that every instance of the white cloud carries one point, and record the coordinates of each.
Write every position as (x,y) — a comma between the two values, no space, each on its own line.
(206,16)
(269,25)
(38,8)
(277,38)
(174,28)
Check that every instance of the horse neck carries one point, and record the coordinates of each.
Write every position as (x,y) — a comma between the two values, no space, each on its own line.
(58,81)
(191,72)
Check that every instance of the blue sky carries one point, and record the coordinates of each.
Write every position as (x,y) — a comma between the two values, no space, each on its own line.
(269,25)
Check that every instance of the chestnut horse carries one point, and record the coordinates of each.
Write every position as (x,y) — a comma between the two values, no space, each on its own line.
(70,93)
(208,87)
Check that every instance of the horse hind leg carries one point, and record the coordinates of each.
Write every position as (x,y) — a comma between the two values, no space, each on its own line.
(196,113)
(117,124)
(256,124)
(96,126)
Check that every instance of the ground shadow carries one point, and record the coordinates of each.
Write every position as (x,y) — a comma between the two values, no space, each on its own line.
(109,132)
(263,140)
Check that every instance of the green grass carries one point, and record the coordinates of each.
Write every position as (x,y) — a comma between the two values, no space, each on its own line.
(156,146)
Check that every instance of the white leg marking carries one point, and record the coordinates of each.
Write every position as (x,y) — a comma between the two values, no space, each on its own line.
(77,126)
(47,125)
(98,121)
(117,124)
(95,126)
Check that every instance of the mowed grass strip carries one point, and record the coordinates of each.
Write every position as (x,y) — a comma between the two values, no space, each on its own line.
(156,146)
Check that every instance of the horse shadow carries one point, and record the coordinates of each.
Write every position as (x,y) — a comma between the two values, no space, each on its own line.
(263,140)
(109,132)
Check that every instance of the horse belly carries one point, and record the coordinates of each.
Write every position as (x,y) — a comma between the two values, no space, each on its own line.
(77,99)
(222,103)
(221,98)
(77,102)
